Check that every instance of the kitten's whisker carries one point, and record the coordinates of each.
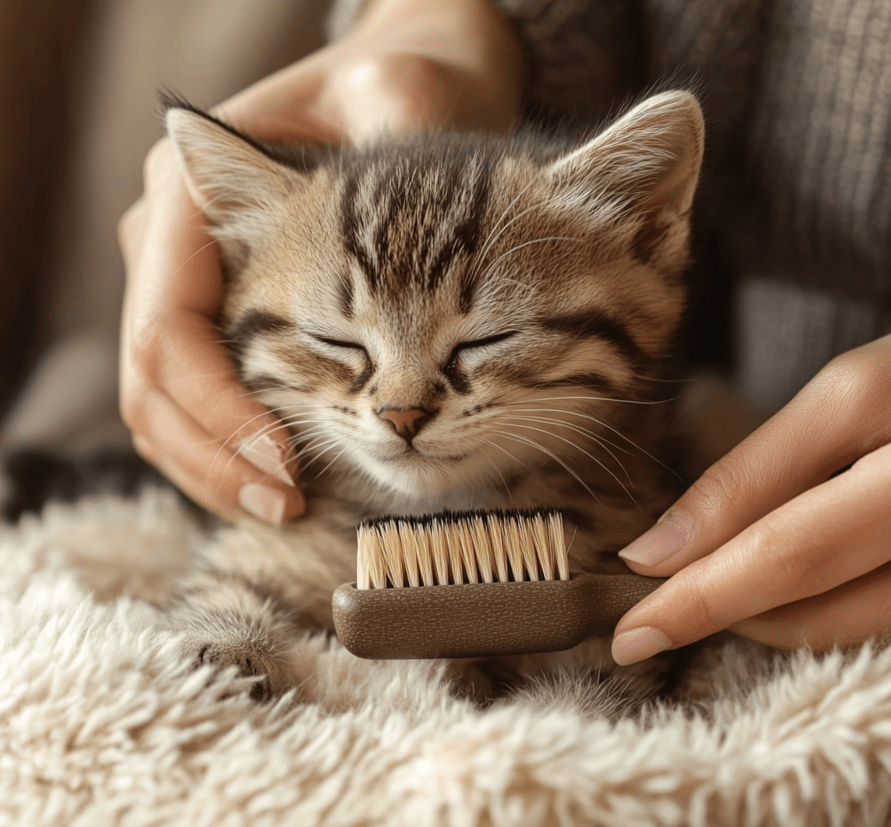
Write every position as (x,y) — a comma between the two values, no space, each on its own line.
(193,376)
(591,399)
(533,444)
(629,441)
(237,452)
(494,234)
(586,453)
(502,449)
(333,460)
(570,412)
(244,448)
(622,436)
(581,431)
(491,462)
(197,252)
(526,244)
(307,434)
(684,381)
(320,447)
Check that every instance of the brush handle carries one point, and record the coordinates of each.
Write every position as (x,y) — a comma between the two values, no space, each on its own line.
(484,619)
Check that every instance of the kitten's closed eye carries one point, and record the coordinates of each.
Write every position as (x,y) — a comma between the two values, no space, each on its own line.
(344,350)
(475,344)
(339,343)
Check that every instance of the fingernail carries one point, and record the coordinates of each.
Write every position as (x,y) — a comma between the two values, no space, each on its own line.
(671,534)
(639,644)
(263,502)
(263,453)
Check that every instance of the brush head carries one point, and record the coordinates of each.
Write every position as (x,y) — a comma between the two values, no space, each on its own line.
(455,548)
(479,584)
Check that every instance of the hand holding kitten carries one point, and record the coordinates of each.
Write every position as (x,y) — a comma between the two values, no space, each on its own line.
(408,65)
(770,542)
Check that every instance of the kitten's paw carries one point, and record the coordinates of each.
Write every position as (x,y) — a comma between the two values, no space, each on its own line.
(249,659)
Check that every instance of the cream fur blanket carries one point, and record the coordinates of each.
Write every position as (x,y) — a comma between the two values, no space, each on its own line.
(101,723)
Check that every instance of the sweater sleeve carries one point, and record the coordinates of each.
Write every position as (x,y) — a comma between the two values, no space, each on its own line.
(585,56)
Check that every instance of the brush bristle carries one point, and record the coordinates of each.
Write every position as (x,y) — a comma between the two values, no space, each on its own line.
(467,547)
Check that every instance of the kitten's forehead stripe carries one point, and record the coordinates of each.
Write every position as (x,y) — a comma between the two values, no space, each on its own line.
(597,323)
(410,212)
(347,295)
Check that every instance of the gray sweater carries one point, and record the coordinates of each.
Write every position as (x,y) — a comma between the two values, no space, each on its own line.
(795,205)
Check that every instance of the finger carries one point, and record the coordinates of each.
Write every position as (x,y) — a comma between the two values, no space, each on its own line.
(184,452)
(823,538)
(169,343)
(846,615)
(131,230)
(191,486)
(225,440)
(830,424)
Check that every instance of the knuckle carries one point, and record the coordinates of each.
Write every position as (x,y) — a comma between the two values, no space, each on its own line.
(856,375)
(158,162)
(146,353)
(700,606)
(127,225)
(142,447)
(789,567)
(721,485)
(142,372)
(132,407)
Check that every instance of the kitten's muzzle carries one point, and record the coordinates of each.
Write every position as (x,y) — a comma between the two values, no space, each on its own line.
(406,421)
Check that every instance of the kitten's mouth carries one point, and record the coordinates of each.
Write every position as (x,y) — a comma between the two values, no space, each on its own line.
(413,455)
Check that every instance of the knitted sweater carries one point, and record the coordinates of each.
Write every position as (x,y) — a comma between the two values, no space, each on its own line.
(793,221)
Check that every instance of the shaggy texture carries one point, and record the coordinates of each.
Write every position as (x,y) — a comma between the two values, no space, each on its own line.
(103,723)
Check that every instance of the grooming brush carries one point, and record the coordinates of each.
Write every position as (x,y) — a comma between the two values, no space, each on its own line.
(474,584)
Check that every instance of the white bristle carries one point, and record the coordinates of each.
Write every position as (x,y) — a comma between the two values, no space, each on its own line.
(425,558)
(543,549)
(439,548)
(453,544)
(530,553)
(375,562)
(468,555)
(463,548)
(499,555)
(557,541)
(391,558)
(482,546)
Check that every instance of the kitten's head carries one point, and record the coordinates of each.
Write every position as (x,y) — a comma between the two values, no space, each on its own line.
(449,310)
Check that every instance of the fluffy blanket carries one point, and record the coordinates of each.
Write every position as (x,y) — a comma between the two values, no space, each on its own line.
(102,723)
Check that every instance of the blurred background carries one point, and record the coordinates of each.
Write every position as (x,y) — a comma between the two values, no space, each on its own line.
(79,83)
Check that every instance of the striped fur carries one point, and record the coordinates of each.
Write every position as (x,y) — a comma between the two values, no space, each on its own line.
(458,321)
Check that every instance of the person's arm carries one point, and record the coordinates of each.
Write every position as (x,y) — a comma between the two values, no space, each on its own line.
(406,65)
(772,542)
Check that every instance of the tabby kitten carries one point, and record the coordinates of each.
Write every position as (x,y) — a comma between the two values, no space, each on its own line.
(447,321)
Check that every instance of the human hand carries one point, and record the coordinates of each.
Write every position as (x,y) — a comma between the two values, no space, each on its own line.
(408,65)
(771,545)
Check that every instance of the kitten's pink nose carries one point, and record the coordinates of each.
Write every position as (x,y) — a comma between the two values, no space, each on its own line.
(406,421)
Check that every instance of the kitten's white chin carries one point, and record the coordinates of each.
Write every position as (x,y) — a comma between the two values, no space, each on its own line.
(422,478)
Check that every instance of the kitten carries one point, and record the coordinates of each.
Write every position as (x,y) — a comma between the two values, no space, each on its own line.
(445,321)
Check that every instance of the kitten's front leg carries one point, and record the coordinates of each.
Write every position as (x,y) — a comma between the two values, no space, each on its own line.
(230,621)
(260,590)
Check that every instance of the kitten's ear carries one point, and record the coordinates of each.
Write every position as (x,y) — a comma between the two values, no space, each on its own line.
(647,160)
(225,171)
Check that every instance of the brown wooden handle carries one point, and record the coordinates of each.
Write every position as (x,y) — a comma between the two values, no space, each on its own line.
(484,619)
